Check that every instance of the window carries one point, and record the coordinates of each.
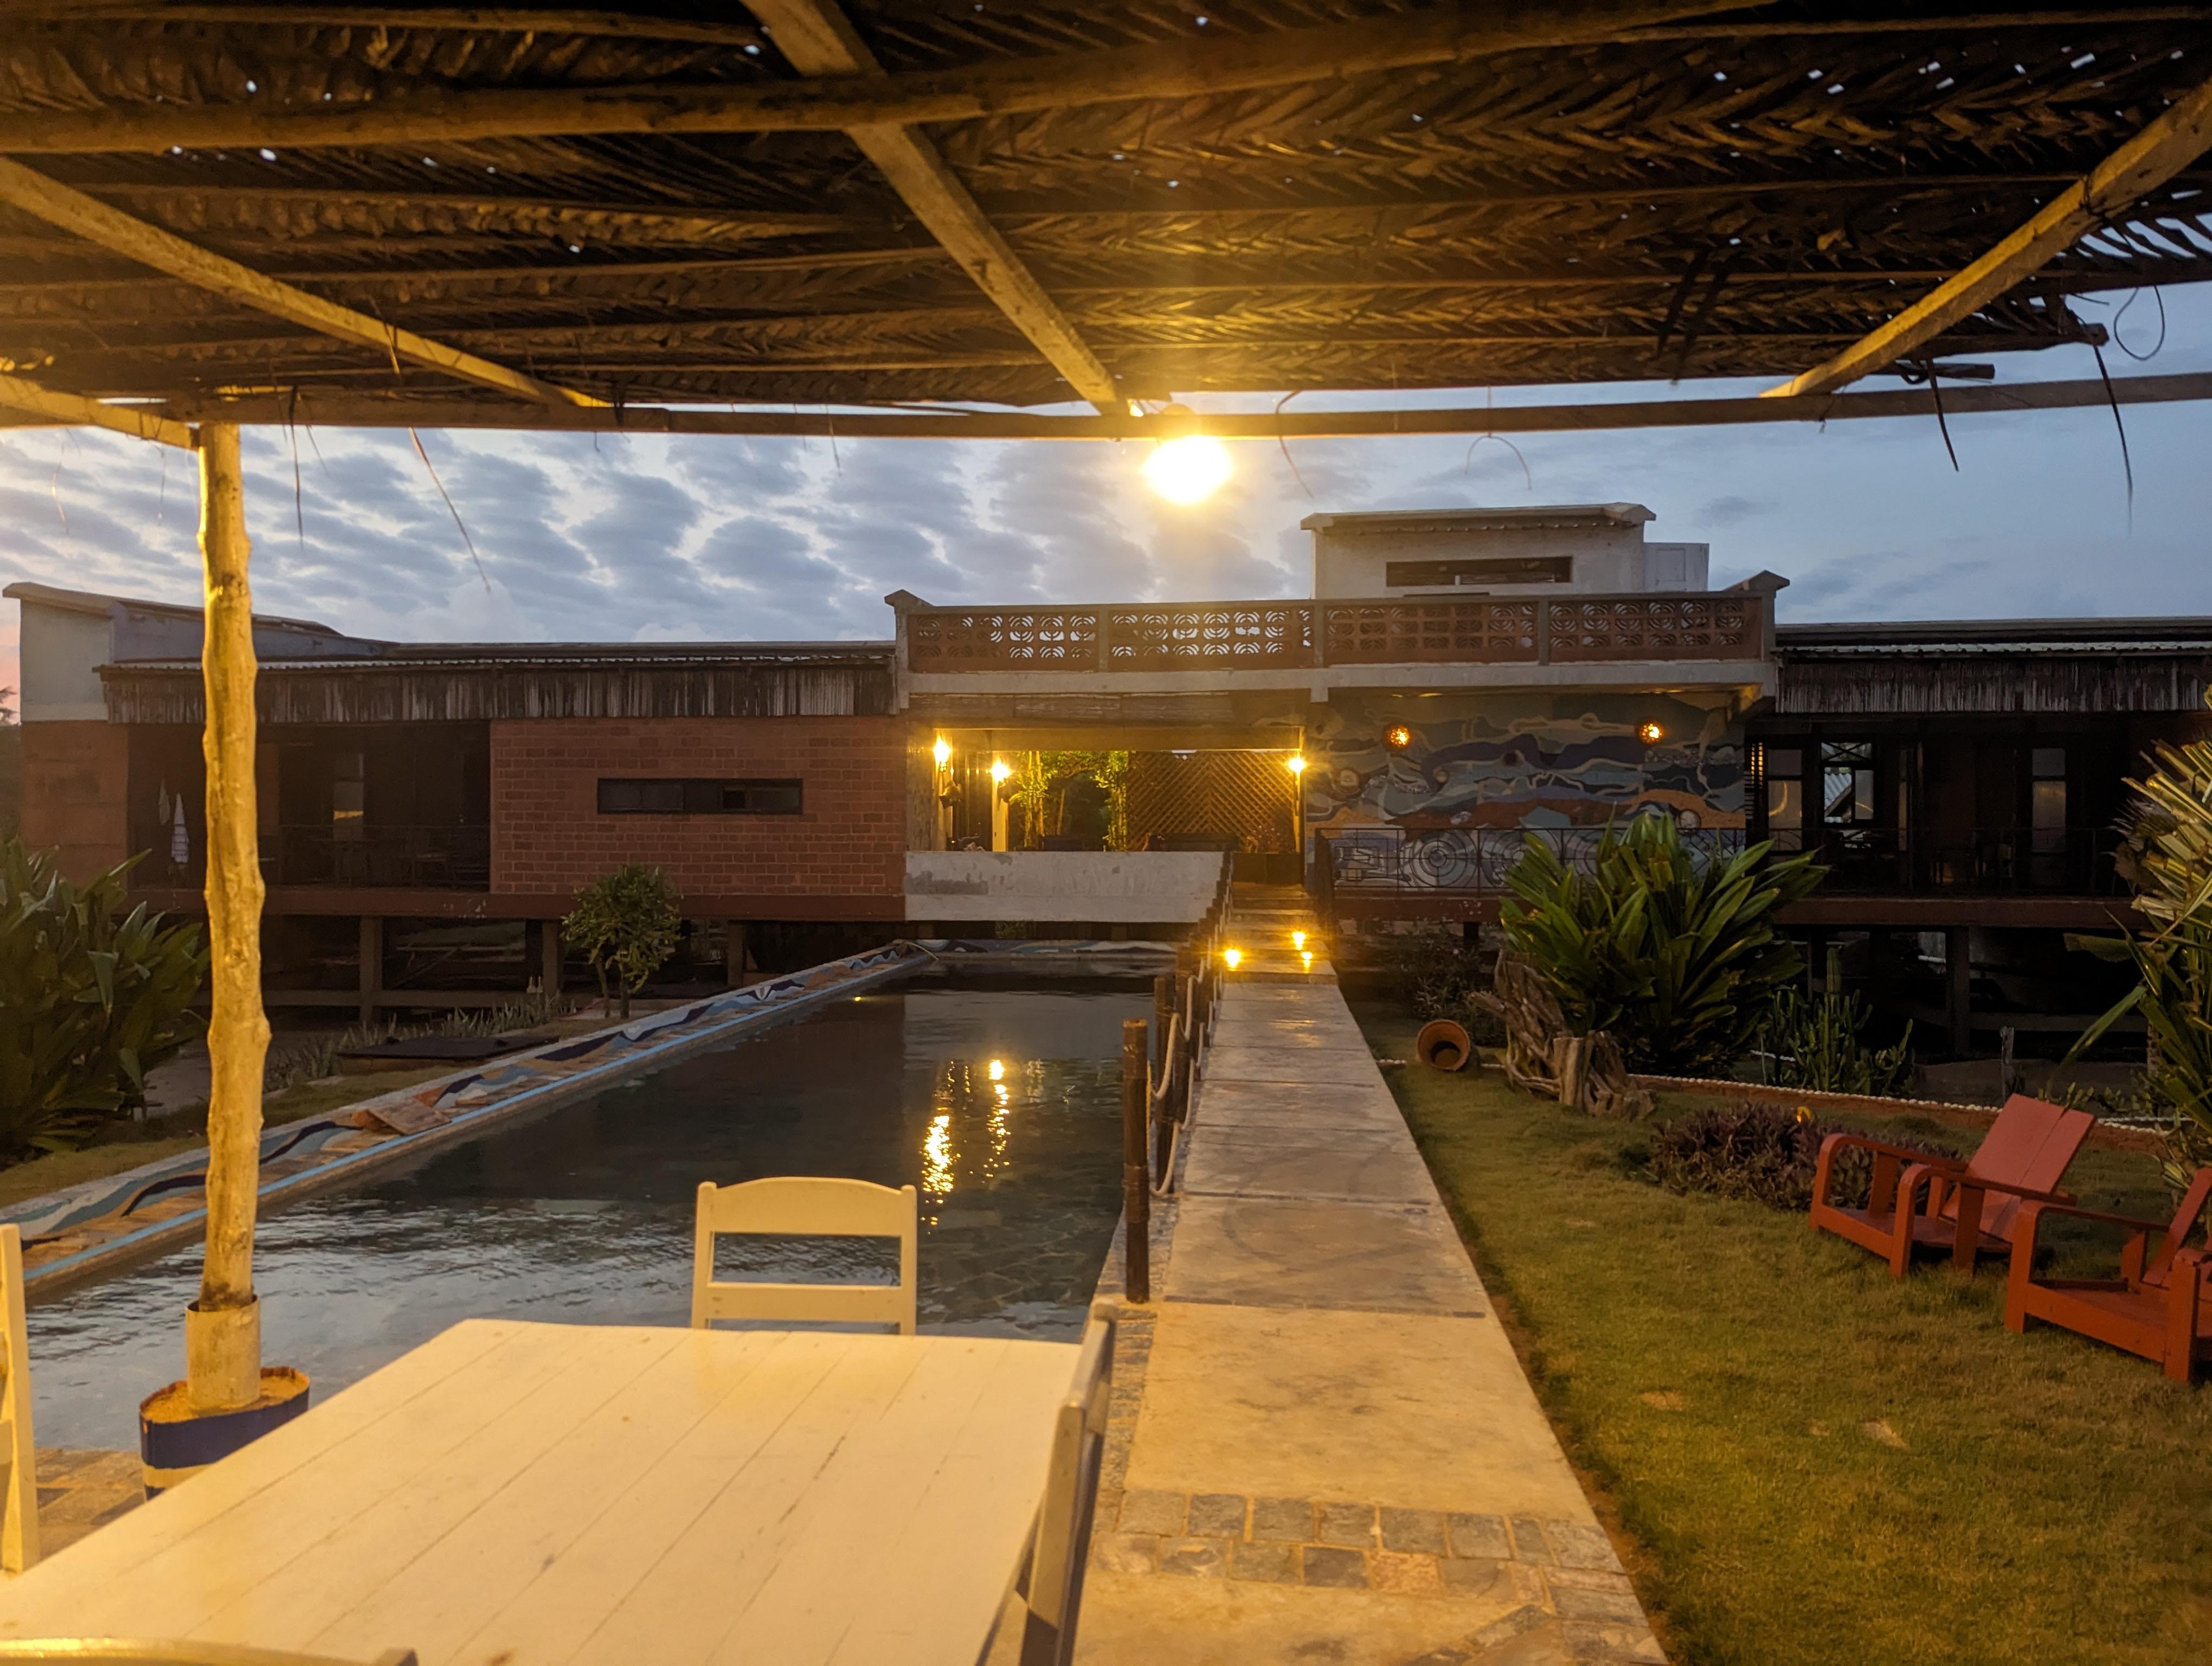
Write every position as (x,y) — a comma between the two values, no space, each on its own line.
(2046,813)
(1499,569)
(627,796)
(349,797)
(1846,782)
(1784,770)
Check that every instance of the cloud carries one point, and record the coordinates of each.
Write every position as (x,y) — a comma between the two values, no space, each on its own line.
(640,537)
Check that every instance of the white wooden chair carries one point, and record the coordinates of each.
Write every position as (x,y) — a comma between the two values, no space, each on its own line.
(19,1529)
(803,1206)
(1062,1544)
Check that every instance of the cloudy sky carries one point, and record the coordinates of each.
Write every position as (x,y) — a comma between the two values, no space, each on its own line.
(713,538)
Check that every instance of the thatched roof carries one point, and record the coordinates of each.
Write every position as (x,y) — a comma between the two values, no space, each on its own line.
(1736,195)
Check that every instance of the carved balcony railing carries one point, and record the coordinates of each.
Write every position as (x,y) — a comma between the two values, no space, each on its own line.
(1170,637)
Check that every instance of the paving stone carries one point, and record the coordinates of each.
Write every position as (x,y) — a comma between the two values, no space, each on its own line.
(1528,1542)
(1481,1535)
(1283,1518)
(1144,1511)
(1270,1561)
(1574,1604)
(1347,1524)
(1126,1553)
(1581,1545)
(1596,1641)
(1587,1579)
(1414,1529)
(1323,1565)
(1195,1559)
(1217,1513)
(1476,1576)
(1405,1573)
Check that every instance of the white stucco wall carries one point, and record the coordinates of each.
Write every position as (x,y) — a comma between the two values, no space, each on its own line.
(1127,887)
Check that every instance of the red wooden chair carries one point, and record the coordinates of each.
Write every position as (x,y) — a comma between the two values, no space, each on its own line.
(2161,1306)
(1919,1199)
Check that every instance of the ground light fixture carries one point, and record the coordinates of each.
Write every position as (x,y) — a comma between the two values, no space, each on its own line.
(942,752)
(1308,957)
(1297,940)
(1232,955)
(1650,732)
(997,1069)
(1188,469)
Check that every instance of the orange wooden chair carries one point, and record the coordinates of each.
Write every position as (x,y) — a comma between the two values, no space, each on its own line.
(2161,1306)
(1921,1200)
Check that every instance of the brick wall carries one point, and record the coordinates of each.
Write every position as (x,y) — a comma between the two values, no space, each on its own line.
(850,840)
(76,776)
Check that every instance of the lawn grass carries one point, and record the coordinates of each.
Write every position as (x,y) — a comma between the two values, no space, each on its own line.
(1823,1465)
(127,1145)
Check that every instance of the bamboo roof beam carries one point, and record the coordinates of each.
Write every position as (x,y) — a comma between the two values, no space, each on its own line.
(472,19)
(26,403)
(354,411)
(816,38)
(854,98)
(110,228)
(2154,156)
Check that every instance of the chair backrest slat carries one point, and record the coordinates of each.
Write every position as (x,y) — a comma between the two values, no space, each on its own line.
(18,1526)
(2031,1145)
(798,1206)
(2177,1232)
(1062,1545)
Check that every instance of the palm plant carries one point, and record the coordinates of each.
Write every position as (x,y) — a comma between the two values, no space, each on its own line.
(2168,856)
(1674,955)
(91,999)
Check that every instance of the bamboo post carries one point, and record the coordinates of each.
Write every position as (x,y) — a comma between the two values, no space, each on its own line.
(1136,1165)
(222,1329)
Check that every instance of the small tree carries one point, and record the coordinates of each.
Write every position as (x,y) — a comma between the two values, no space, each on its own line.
(91,999)
(1676,957)
(626,924)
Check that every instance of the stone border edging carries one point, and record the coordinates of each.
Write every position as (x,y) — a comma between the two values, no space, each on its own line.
(2116,1138)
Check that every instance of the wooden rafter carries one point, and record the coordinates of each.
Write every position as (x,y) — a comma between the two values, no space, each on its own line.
(93,221)
(863,97)
(342,409)
(2162,150)
(28,404)
(816,39)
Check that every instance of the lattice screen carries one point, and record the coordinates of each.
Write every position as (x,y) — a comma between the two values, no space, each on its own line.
(1242,797)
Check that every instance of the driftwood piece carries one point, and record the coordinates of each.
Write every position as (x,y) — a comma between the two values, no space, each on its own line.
(1543,1056)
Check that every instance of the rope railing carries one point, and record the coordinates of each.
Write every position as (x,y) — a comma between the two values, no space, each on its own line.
(1157,1086)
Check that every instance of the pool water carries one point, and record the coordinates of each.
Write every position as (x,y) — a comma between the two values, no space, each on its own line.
(1002,1105)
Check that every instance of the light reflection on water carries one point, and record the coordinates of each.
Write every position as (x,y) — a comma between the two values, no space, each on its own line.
(584,1215)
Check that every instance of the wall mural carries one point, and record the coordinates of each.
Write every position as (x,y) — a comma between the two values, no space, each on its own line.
(1452,807)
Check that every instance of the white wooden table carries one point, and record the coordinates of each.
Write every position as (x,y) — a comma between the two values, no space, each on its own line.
(514,1494)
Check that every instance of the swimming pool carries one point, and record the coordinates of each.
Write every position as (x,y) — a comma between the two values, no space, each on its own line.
(1001,1103)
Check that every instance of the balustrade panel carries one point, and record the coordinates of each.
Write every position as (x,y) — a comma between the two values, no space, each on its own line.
(1655,628)
(1002,639)
(1209,635)
(1440,632)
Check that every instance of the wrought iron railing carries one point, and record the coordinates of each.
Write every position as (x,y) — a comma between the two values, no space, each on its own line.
(1299,636)
(2074,861)
(420,857)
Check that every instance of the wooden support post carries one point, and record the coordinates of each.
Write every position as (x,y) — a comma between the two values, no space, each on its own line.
(549,957)
(1959,969)
(222,1329)
(372,967)
(1136,1165)
(734,954)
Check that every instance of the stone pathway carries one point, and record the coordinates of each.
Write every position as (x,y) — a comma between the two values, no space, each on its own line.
(1322,1448)
(80,1488)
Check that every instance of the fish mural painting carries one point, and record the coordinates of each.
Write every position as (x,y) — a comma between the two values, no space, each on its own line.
(1442,791)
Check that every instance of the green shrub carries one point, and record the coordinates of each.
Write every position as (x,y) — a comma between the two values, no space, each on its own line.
(1760,1154)
(626,924)
(1437,975)
(1674,954)
(90,1000)
(1820,1045)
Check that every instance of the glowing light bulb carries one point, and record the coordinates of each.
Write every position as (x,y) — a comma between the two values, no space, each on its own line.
(1232,955)
(1308,957)
(1297,940)
(1190,469)
(1296,764)
(1400,737)
(1650,731)
(1000,770)
(998,1070)
(942,752)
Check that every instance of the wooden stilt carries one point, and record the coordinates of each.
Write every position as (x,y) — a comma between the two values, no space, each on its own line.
(222,1329)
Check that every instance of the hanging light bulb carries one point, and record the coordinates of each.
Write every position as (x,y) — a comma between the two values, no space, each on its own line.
(1188,469)
(942,752)
(1000,770)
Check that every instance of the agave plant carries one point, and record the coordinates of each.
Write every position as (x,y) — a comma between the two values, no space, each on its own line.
(2168,856)
(91,999)
(1672,953)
